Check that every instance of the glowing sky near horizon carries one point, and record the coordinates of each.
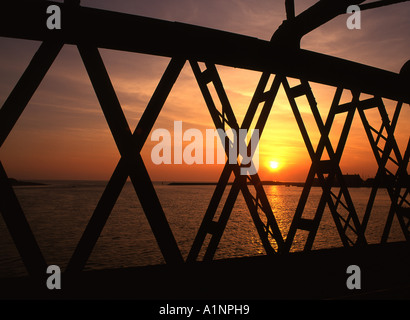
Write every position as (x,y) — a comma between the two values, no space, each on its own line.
(63,135)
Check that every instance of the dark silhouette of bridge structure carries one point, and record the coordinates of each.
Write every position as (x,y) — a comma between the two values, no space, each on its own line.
(204,49)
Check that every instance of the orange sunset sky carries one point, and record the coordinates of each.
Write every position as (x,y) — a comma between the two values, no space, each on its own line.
(63,135)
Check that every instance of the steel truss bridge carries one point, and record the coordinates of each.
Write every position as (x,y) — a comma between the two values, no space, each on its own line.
(279,59)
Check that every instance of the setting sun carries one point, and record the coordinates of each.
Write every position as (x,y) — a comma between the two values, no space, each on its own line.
(273,165)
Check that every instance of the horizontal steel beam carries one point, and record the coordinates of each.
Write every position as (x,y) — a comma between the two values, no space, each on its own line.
(125,32)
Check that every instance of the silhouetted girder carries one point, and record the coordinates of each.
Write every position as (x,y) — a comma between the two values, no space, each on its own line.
(400,202)
(292,30)
(20,230)
(124,32)
(380,3)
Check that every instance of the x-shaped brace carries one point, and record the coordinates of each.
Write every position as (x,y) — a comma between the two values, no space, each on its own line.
(131,163)
(321,167)
(383,156)
(216,228)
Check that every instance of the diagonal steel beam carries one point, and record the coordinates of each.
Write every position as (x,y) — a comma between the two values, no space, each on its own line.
(398,206)
(20,229)
(18,99)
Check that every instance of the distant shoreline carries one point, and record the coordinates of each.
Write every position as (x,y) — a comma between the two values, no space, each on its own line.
(18,183)
(275,183)
(350,181)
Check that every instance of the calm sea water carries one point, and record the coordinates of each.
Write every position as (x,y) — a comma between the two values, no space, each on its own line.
(58,214)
